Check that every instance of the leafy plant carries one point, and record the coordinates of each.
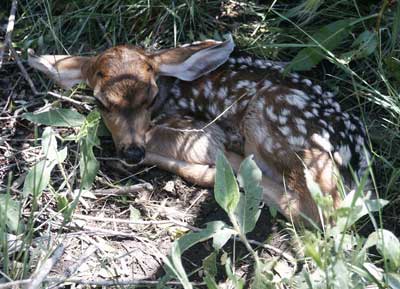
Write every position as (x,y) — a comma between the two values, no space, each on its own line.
(337,257)
(38,177)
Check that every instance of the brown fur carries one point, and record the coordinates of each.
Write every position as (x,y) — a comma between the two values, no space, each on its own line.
(124,80)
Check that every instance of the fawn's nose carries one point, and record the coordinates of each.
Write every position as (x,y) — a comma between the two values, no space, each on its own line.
(134,154)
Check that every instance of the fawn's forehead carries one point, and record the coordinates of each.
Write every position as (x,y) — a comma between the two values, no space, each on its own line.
(122,57)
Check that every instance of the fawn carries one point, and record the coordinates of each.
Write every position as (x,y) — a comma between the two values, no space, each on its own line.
(286,122)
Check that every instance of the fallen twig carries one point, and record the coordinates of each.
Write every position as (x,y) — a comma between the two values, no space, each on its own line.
(40,275)
(124,221)
(10,28)
(71,270)
(23,71)
(101,282)
(125,190)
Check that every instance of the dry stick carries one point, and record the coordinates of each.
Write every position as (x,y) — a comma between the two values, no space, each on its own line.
(278,251)
(62,97)
(71,270)
(125,190)
(10,28)
(123,221)
(24,72)
(101,282)
(39,276)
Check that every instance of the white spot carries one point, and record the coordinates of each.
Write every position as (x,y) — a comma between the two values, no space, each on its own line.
(322,142)
(233,73)
(295,80)
(240,60)
(243,66)
(299,121)
(307,82)
(285,130)
(330,128)
(325,134)
(227,102)
(317,89)
(183,103)
(308,114)
(208,89)
(338,158)
(342,134)
(323,122)
(295,75)
(302,128)
(192,105)
(328,94)
(248,60)
(282,119)
(296,140)
(176,91)
(315,112)
(296,100)
(242,83)
(195,92)
(285,112)
(213,110)
(222,92)
(345,154)
(300,93)
(268,145)
(267,84)
(360,140)
(277,67)
(232,60)
(347,124)
(270,113)
(260,64)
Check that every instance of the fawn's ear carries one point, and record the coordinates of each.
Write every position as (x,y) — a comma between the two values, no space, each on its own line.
(66,70)
(190,62)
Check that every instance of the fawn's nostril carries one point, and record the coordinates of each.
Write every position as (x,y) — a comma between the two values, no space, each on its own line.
(134,154)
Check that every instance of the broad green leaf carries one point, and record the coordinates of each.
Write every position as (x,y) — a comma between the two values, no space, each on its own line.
(395,28)
(238,282)
(329,37)
(49,144)
(341,275)
(226,189)
(174,263)
(210,264)
(363,46)
(38,177)
(248,209)
(355,207)
(134,214)
(9,212)
(88,164)
(56,117)
(393,280)
(210,282)
(392,65)
(263,275)
(387,244)
(222,236)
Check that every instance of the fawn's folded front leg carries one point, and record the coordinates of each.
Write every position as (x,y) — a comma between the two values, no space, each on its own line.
(198,174)
(204,175)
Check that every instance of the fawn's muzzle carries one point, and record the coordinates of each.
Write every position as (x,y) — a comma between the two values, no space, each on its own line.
(134,154)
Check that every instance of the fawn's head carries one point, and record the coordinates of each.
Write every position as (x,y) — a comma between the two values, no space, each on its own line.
(123,79)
